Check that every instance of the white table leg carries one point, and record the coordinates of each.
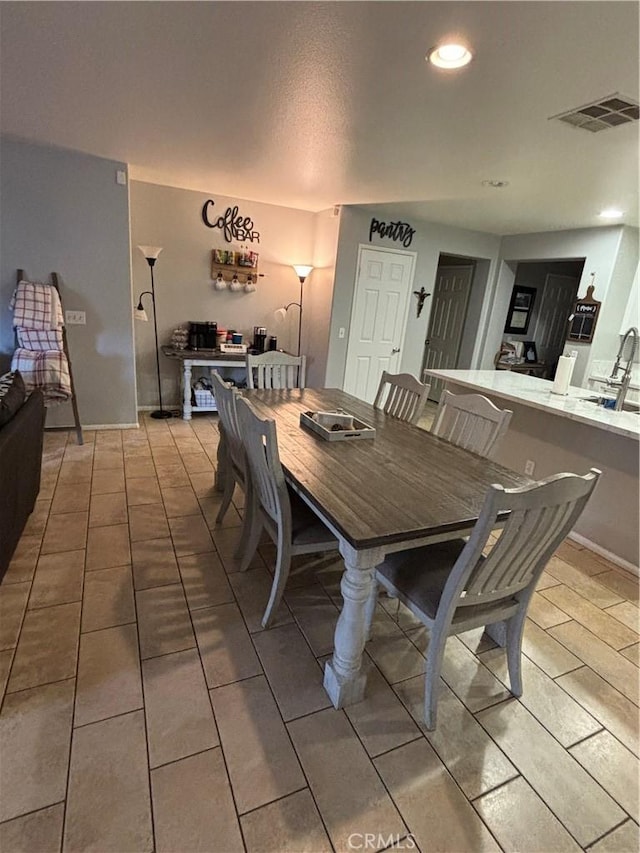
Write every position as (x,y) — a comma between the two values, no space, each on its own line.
(186,405)
(344,679)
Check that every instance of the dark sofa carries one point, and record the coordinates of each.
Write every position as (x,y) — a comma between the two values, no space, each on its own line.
(20,465)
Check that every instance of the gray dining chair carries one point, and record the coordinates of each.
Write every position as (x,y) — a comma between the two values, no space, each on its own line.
(232,458)
(472,422)
(292,526)
(276,370)
(451,587)
(402,396)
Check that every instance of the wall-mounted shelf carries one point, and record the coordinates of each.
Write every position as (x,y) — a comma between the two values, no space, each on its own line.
(229,270)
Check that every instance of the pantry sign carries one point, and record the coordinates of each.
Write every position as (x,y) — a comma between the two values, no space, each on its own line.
(233,225)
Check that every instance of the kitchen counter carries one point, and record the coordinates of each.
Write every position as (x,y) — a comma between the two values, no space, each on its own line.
(555,433)
(536,393)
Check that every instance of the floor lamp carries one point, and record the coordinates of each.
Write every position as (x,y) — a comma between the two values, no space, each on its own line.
(151,254)
(302,271)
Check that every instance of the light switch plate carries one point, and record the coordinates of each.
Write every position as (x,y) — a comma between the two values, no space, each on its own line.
(75,318)
(121,177)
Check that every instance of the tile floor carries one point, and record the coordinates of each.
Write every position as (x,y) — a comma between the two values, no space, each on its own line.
(146,710)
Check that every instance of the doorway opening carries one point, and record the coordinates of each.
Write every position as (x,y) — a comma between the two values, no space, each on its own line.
(553,286)
(454,318)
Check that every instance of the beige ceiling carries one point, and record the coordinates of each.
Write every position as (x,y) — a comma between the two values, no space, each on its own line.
(310,104)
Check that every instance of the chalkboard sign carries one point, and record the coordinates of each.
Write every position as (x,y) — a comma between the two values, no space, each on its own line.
(582,322)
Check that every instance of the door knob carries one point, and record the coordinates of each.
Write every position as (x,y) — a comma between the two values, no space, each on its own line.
(395,350)
(427,342)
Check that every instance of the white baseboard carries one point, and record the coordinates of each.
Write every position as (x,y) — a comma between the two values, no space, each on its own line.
(111,426)
(92,427)
(613,558)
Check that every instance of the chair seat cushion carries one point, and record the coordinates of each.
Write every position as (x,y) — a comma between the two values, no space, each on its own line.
(420,575)
(307,529)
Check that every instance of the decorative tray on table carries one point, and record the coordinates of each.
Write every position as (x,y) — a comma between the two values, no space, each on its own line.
(336,426)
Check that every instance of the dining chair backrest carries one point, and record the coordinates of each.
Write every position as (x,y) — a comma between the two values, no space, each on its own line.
(267,477)
(540,516)
(226,397)
(276,370)
(404,396)
(472,422)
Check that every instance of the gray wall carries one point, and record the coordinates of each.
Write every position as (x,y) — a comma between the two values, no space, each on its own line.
(171,218)
(63,211)
(430,241)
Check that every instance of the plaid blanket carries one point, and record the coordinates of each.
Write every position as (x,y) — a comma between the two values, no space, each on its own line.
(47,370)
(36,306)
(37,339)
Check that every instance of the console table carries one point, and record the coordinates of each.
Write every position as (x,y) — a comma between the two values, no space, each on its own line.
(200,358)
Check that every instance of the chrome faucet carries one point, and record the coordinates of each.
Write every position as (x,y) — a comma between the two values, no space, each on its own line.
(623,384)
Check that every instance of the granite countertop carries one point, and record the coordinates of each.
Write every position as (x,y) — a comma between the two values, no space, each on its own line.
(536,393)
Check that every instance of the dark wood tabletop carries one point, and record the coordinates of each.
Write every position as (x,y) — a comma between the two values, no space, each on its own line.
(404,484)
(202,354)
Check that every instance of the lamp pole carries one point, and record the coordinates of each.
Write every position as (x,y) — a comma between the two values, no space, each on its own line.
(302,271)
(299,304)
(151,256)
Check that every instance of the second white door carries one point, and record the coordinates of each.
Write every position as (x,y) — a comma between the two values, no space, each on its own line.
(378,318)
(448,313)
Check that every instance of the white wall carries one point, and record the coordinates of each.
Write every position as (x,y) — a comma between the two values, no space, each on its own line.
(171,218)
(632,311)
(598,246)
(606,340)
(63,211)
(430,241)
(318,296)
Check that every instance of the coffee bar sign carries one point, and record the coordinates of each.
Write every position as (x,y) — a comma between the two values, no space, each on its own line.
(397,231)
(233,225)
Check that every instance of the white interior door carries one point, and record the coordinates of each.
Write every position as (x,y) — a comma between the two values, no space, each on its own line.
(446,322)
(378,318)
(558,297)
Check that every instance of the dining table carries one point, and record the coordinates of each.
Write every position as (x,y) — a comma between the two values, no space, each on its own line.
(402,488)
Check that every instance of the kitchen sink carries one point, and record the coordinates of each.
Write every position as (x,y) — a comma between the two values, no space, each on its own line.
(627,406)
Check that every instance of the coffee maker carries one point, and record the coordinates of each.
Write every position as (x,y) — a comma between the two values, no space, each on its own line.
(259,339)
(202,336)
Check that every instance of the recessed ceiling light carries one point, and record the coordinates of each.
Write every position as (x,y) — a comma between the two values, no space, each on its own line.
(449,56)
(611,213)
(496,185)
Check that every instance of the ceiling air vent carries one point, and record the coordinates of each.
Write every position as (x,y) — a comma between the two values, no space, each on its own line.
(602,114)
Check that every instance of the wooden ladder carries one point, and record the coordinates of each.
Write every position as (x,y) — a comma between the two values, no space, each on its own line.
(55,279)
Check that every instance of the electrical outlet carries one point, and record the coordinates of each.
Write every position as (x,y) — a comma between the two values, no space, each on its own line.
(75,318)
(529,467)
(341,332)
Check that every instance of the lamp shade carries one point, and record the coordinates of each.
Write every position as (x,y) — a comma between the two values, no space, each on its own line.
(302,270)
(150,252)
(140,314)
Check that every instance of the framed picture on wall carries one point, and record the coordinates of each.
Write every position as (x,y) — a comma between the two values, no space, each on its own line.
(520,308)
